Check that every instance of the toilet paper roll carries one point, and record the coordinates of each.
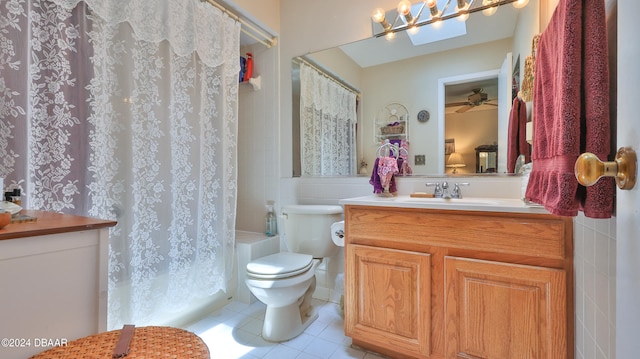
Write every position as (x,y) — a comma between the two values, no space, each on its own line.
(337,233)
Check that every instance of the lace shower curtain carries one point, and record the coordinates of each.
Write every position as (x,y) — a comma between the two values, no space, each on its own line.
(127,110)
(328,125)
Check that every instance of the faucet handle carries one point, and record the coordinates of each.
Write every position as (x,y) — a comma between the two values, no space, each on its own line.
(437,192)
(457,193)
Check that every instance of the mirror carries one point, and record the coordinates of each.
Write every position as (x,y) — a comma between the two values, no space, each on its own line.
(418,77)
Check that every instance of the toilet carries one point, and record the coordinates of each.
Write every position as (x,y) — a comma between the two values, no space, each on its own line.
(285,281)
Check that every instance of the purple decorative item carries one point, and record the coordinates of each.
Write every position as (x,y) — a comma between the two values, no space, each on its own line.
(396,142)
(243,66)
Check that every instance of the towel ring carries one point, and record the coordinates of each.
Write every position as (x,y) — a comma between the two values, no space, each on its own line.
(391,147)
(589,169)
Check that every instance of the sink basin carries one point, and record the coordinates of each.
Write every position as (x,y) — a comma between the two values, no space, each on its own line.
(466,203)
(454,201)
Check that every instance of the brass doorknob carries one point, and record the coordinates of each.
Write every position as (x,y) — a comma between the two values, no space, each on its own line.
(589,169)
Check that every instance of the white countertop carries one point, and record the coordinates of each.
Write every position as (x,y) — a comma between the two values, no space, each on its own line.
(512,205)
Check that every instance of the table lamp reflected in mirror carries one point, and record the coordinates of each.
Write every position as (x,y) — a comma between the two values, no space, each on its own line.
(456,161)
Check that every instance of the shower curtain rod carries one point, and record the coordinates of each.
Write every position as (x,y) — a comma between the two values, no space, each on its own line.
(327,74)
(262,37)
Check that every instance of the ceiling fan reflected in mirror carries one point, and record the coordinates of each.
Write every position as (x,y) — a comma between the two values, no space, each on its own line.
(477,98)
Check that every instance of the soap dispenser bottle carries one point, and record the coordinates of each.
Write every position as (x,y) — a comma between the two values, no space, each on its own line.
(271,223)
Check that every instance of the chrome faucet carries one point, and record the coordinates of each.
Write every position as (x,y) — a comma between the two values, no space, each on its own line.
(442,190)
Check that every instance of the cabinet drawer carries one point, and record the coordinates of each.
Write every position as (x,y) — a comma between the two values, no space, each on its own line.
(536,235)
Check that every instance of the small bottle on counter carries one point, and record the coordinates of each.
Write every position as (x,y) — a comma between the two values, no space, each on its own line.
(271,222)
(17,196)
(14,196)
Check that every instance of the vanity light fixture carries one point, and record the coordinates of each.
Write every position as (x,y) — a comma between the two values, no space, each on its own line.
(404,20)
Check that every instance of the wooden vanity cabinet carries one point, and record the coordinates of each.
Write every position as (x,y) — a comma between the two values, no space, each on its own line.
(423,283)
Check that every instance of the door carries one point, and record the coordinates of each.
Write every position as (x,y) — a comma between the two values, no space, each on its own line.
(628,202)
(504,109)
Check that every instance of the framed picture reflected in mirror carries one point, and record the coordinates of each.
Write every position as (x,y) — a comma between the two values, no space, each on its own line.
(449,146)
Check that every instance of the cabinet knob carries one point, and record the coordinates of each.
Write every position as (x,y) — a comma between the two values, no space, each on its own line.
(589,169)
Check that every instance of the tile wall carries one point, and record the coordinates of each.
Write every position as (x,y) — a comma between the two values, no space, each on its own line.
(595,287)
(258,142)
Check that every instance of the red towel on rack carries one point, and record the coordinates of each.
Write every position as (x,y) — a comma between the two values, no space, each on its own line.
(517,135)
(571,110)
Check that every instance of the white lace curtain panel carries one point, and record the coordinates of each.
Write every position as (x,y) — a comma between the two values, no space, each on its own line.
(127,110)
(328,125)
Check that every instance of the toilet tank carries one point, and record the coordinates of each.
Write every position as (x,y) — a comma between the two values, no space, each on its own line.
(307,229)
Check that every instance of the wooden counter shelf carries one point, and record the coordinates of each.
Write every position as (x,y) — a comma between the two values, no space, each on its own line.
(51,223)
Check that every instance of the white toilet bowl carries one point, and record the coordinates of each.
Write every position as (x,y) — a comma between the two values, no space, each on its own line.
(285,281)
(286,291)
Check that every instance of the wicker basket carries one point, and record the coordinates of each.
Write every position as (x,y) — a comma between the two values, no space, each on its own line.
(147,342)
(392,130)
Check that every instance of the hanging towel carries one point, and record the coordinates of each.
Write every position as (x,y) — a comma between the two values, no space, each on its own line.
(376,180)
(404,169)
(518,144)
(387,168)
(571,110)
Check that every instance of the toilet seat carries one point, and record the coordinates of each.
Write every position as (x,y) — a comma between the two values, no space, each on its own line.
(279,266)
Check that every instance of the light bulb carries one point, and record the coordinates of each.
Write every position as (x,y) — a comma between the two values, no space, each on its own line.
(518,4)
(489,11)
(390,35)
(464,15)
(404,7)
(462,5)
(433,8)
(378,15)
(461,9)
(437,24)
(413,30)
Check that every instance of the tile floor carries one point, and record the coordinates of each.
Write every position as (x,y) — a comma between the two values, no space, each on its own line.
(233,332)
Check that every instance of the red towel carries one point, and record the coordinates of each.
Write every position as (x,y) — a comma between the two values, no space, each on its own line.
(517,135)
(571,110)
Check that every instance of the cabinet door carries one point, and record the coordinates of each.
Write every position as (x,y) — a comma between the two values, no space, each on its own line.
(499,310)
(388,298)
